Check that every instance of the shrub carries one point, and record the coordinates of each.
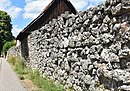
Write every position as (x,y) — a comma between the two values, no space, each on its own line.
(7,46)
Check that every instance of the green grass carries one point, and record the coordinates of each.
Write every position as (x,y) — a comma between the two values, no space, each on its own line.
(44,84)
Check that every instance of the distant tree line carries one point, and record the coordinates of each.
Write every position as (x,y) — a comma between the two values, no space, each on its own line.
(5,31)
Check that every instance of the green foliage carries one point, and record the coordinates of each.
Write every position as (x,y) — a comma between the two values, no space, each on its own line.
(18,64)
(20,67)
(70,88)
(7,46)
(11,59)
(44,84)
(5,29)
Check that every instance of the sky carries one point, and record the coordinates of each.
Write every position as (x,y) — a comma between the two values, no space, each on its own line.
(22,12)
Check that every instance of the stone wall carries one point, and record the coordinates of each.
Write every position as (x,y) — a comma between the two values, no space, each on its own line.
(86,51)
(14,51)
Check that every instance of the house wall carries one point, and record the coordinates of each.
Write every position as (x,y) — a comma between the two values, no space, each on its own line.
(87,51)
(58,8)
(25,50)
(55,9)
(18,43)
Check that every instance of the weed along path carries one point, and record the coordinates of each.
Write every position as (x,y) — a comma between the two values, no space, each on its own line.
(8,79)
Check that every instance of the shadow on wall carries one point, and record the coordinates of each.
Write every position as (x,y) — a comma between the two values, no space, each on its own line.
(25,49)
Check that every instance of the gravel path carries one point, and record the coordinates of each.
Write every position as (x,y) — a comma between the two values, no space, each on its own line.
(8,79)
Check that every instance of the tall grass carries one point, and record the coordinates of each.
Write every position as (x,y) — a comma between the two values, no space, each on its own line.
(44,84)
(18,65)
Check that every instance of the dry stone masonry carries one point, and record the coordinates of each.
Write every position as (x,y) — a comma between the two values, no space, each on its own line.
(89,51)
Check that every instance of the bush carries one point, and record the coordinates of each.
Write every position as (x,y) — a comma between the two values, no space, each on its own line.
(7,46)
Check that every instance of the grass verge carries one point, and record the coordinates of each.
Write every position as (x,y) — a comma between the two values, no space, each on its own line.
(43,84)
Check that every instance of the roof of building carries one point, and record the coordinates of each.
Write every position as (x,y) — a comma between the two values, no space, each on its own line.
(36,23)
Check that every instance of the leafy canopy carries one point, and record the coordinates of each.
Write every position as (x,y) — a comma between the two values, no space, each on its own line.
(5,29)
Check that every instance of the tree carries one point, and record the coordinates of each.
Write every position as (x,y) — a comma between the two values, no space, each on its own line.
(7,46)
(5,29)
